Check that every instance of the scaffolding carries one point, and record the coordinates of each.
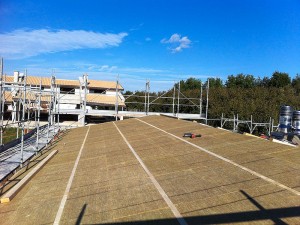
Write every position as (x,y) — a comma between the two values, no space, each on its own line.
(173,99)
(26,101)
(235,121)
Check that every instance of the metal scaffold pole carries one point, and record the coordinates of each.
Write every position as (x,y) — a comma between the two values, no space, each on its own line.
(38,116)
(174,89)
(85,79)
(2,99)
(251,125)
(117,98)
(28,111)
(200,105)
(18,116)
(52,101)
(207,90)
(50,106)
(233,122)
(23,117)
(178,99)
(57,97)
(270,126)
(148,96)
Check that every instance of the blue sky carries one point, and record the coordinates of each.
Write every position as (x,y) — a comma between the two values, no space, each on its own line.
(164,41)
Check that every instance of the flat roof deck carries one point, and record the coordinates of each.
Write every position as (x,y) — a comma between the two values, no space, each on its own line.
(141,171)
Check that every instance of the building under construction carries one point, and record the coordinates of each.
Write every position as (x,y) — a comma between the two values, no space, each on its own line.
(58,96)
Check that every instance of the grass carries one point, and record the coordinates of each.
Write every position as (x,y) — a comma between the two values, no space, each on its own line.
(10,134)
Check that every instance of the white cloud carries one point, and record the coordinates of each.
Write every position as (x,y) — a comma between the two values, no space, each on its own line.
(141,70)
(27,43)
(107,68)
(177,42)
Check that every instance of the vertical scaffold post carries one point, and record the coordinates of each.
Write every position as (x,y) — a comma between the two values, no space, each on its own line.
(57,97)
(23,117)
(18,116)
(251,123)
(178,102)
(38,117)
(50,106)
(85,96)
(270,126)
(53,101)
(207,90)
(200,100)
(237,122)
(2,99)
(148,97)
(222,120)
(233,122)
(174,99)
(117,98)
(28,111)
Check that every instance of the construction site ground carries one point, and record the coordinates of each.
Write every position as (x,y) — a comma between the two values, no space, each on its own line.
(142,171)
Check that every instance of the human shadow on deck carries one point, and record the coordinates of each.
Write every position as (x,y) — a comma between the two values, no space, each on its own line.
(78,221)
(274,215)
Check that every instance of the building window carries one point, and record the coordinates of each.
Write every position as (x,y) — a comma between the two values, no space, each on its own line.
(97,91)
(64,90)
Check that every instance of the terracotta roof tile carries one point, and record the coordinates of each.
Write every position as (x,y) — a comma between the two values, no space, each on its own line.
(46,82)
(104,84)
(103,99)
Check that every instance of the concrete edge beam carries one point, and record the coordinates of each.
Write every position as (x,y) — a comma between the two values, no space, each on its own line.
(13,191)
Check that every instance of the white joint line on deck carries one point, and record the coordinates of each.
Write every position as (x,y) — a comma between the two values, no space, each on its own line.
(65,196)
(228,161)
(155,182)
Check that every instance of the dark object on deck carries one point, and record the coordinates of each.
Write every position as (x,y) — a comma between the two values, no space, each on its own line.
(191,135)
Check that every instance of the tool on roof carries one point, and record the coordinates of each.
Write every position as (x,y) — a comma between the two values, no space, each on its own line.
(191,135)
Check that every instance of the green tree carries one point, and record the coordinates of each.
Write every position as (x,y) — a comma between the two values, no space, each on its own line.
(190,84)
(241,81)
(215,82)
(280,79)
(296,83)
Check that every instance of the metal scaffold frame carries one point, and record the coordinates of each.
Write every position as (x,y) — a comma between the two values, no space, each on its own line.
(250,124)
(177,105)
(26,99)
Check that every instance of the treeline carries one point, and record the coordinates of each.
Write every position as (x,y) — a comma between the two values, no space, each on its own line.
(241,94)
